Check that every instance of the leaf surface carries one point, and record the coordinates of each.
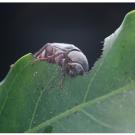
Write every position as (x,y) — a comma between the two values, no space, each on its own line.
(103,100)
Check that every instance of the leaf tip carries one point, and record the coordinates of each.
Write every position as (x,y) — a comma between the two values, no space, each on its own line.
(24,58)
(129,17)
(131,13)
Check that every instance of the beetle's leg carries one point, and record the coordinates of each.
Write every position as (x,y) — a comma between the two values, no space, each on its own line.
(61,83)
(40,51)
(52,58)
(39,59)
(63,72)
(48,58)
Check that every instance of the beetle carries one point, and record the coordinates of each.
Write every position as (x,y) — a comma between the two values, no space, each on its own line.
(69,57)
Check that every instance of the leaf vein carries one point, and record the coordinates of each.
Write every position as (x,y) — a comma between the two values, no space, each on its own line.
(38,100)
(79,107)
(92,117)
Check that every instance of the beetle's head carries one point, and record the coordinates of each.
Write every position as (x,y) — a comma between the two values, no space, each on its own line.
(79,60)
(74,69)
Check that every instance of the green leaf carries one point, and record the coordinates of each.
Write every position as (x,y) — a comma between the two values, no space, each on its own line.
(31,99)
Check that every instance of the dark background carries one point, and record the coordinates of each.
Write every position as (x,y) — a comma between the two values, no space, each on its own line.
(25,27)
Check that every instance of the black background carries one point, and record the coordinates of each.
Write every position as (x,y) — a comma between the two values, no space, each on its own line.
(25,27)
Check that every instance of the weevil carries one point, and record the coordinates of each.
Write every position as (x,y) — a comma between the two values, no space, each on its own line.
(70,58)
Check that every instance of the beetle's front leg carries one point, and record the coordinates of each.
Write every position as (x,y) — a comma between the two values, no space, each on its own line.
(39,59)
(50,59)
(41,50)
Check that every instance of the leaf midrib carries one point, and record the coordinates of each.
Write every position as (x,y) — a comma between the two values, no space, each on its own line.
(80,106)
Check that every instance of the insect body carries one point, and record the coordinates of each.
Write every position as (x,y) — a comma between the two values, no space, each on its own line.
(70,58)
